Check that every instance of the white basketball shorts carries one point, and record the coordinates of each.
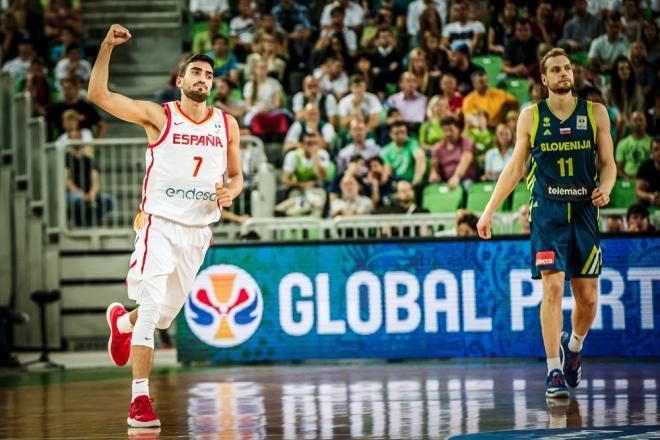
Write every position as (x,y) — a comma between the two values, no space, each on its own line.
(163,247)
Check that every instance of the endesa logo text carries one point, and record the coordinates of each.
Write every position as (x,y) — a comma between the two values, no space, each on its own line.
(189,194)
(194,139)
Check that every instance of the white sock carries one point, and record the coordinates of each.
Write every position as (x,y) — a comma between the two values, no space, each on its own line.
(140,388)
(575,343)
(554,364)
(124,324)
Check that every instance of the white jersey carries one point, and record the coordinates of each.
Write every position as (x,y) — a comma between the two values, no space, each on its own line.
(184,165)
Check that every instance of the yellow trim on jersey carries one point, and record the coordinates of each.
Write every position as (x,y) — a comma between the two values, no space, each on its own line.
(592,119)
(535,124)
(531,206)
(568,211)
(590,260)
(547,101)
(531,178)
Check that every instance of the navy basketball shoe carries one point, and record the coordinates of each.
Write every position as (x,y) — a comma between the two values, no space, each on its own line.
(572,362)
(555,385)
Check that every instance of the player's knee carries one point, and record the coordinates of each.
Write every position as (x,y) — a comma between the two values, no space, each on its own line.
(166,316)
(553,290)
(586,301)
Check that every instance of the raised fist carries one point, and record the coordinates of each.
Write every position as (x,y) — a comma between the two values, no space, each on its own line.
(117,35)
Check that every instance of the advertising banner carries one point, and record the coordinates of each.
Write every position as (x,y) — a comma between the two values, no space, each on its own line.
(405,300)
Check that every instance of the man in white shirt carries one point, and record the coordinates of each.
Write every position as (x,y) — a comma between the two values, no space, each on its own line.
(312,93)
(354,14)
(351,202)
(72,65)
(360,98)
(333,77)
(338,25)
(312,124)
(18,67)
(241,29)
(470,32)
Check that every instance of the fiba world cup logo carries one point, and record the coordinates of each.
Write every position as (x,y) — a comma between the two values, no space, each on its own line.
(225,306)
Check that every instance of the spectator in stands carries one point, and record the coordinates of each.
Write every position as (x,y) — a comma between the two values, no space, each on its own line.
(437,56)
(363,68)
(615,224)
(354,14)
(430,24)
(600,8)
(403,156)
(37,86)
(467,225)
(427,82)
(310,123)
(263,101)
(476,128)
(18,67)
(225,61)
(72,65)
(430,133)
(410,103)
(303,172)
(493,101)
(355,167)
(351,202)
(293,18)
(625,93)
(268,25)
(462,67)
(581,84)
(382,18)
(448,90)
(415,10)
(10,36)
(67,37)
(224,100)
(202,40)
(171,92)
(71,99)
(462,29)
(72,131)
(544,27)
(382,132)
(311,92)
(617,123)
(651,40)
(332,46)
(361,146)
(648,177)
(634,149)
(203,9)
(58,14)
(645,72)
(511,119)
(653,115)
(520,53)
(523,219)
(498,157)
(637,218)
(377,183)
(605,49)
(266,50)
(632,20)
(360,98)
(385,59)
(403,201)
(241,29)
(452,160)
(501,30)
(334,80)
(537,92)
(337,27)
(581,29)
(87,205)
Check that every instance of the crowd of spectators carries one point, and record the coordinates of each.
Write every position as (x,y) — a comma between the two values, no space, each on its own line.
(372,101)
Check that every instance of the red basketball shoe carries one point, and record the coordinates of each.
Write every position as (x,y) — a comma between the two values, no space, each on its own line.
(141,414)
(119,344)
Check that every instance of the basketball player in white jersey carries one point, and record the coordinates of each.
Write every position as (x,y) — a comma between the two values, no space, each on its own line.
(191,148)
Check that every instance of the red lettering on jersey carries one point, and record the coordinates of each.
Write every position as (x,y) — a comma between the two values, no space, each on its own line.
(194,139)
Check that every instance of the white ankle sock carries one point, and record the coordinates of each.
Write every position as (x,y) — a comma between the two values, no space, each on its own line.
(140,388)
(124,324)
(575,342)
(554,364)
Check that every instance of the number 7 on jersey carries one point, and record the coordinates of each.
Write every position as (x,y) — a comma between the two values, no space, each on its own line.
(199,161)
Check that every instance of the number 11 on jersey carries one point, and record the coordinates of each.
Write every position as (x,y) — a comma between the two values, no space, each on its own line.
(569,166)
(199,161)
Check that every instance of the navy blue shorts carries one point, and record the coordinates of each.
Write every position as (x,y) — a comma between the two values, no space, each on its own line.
(565,237)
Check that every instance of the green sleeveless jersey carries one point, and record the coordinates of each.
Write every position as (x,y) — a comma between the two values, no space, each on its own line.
(563,165)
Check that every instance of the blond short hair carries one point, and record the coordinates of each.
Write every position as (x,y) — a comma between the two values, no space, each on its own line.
(556,52)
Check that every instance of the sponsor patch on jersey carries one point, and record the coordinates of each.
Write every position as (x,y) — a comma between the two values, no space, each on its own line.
(546,121)
(545,258)
(566,191)
(565,130)
(581,122)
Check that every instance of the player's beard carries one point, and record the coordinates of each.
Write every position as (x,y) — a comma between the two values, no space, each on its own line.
(196,95)
(561,90)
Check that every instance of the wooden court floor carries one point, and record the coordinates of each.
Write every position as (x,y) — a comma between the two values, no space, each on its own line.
(340,401)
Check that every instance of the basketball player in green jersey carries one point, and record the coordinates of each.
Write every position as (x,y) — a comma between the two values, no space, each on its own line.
(567,137)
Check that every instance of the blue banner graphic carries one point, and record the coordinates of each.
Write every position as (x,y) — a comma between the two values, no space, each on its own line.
(401,300)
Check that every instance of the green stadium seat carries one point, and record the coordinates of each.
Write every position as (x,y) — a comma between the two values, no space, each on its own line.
(492,64)
(438,198)
(580,57)
(623,194)
(519,197)
(478,196)
(518,87)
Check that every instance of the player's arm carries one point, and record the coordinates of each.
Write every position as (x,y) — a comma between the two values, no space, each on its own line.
(601,195)
(227,191)
(147,114)
(512,172)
